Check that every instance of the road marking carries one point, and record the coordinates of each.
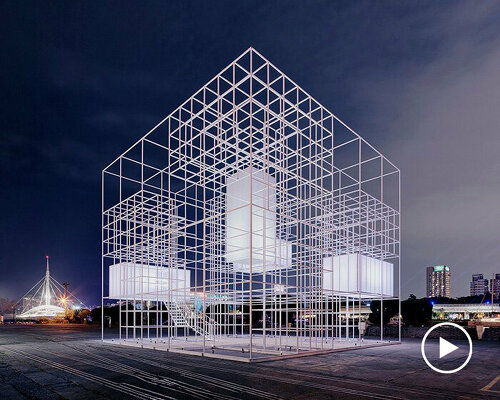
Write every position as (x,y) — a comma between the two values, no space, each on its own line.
(488,387)
(172,384)
(165,382)
(300,375)
(286,380)
(131,390)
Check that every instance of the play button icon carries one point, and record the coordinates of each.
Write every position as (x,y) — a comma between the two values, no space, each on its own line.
(446,348)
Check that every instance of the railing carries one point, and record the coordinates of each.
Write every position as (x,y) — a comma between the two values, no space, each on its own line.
(182,315)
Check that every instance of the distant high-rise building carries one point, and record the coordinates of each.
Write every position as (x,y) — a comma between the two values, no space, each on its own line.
(438,281)
(479,285)
(495,287)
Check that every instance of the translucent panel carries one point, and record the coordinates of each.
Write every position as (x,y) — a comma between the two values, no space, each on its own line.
(128,281)
(373,277)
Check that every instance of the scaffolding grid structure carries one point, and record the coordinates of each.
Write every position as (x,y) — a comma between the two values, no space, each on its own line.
(251,224)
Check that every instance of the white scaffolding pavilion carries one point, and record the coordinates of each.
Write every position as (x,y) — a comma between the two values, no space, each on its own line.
(251,223)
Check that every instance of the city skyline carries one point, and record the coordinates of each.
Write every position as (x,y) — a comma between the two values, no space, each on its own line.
(77,89)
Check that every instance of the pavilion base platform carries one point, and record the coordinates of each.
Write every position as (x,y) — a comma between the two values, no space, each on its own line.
(237,348)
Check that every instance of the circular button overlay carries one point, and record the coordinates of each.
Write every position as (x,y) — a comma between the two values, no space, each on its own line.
(446,351)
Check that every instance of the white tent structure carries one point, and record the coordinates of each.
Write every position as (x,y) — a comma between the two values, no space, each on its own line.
(46,299)
(251,223)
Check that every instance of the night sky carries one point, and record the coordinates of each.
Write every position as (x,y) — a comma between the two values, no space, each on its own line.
(82,81)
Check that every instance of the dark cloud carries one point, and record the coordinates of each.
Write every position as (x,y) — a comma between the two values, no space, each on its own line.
(441,124)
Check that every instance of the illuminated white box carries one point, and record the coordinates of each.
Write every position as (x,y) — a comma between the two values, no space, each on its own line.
(266,249)
(376,277)
(277,258)
(129,281)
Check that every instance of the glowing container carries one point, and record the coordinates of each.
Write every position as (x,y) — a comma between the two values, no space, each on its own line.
(373,278)
(128,281)
(265,252)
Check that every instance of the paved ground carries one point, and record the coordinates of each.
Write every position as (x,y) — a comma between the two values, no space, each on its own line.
(54,362)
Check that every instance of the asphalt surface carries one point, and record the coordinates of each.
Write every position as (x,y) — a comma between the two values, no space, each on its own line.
(70,362)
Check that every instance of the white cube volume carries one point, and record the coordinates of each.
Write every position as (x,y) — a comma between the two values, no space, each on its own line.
(373,278)
(265,252)
(129,281)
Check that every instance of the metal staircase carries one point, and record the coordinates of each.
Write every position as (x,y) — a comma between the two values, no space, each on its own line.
(183,315)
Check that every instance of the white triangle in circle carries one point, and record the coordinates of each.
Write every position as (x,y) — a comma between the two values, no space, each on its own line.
(445,347)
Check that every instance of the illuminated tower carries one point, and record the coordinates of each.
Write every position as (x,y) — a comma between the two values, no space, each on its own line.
(44,299)
(438,281)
